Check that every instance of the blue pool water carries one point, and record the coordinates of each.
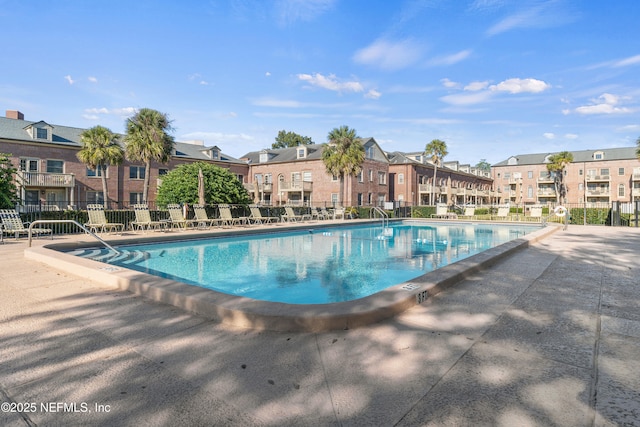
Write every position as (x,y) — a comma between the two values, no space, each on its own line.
(316,266)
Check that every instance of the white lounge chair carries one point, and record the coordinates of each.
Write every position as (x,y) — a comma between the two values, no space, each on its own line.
(12,224)
(177,219)
(98,221)
(143,219)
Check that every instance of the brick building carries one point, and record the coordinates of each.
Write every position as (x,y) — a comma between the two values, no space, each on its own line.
(595,177)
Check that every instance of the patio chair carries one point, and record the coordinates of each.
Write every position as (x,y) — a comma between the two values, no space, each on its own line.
(502,214)
(469,213)
(12,224)
(202,220)
(257,217)
(227,219)
(177,219)
(290,216)
(325,213)
(317,214)
(442,211)
(535,214)
(98,221)
(143,220)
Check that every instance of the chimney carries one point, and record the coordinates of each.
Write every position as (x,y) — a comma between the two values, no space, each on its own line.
(15,114)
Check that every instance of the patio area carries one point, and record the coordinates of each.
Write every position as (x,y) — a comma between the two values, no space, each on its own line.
(549,336)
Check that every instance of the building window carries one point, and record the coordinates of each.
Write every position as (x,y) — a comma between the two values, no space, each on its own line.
(29,165)
(55,166)
(369,153)
(620,190)
(135,198)
(507,175)
(295,176)
(334,178)
(400,178)
(382,178)
(91,173)
(361,176)
(306,176)
(136,172)
(580,172)
(334,199)
(302,152)
(621,171)
(162,172)
(370,175)
(42,133)
(530,192)
(604,171)
(95,197)
(530,174)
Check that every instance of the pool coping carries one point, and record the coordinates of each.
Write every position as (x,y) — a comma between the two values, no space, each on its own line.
(265,315)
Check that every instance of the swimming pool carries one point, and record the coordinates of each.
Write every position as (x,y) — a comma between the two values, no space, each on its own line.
(312,266)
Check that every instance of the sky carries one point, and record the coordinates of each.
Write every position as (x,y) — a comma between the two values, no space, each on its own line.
(491,78)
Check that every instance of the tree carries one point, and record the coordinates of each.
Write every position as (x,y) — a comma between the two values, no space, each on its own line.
(344,154)
(180,185)
(483,165)
(436,150)
(638,150)
(100,149)
(147,140)
(290,139)
(8,191)
(556,165)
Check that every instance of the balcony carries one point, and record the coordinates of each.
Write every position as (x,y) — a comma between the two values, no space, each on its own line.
(598,178)
(598,192)
(635,176)
(49,180)
(260,188)
(426,189)
(545,180)
(546,192)
(295,186)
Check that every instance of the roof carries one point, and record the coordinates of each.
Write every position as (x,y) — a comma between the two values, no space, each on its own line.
(621,153)
(16,130)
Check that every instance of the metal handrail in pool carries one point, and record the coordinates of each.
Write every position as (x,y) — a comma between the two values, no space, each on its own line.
(58,221)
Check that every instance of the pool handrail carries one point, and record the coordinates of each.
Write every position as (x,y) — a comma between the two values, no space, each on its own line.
(71,221)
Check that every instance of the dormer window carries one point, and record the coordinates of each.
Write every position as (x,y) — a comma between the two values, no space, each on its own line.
(598,155)
(264,156)
(302,152)
(512,161)
(42,133)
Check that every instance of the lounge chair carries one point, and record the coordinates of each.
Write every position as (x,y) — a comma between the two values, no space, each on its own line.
(202,220)
(257,217)
(290,216)
(143,219)
(338,212)
(325,213)
(535,214)
(98,221)
(227,219)
(317,214)
(502,215)
(177,219)
(442,211)
(12,224)
(469,213)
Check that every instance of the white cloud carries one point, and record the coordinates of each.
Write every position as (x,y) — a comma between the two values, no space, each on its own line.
(476,86)
(543,14)
(69,79)
(604,104)
(450,84)
(218,137)
(267,74)
(450,59)
(467,98)
(290,11)
(92,79)
(549,135)
(373,94)
(632,60)
(389,55)
(520,86)
(331,82)
(122,112)
(278,103)
(571,136)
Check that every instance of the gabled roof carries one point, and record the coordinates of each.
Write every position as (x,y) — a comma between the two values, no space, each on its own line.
(622,153)
(17,130)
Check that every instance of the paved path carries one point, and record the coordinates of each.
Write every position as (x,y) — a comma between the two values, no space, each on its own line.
(547,337)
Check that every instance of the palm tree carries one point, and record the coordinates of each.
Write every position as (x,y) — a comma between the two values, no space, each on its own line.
(344,154)
(147,140)
(100,149)
(638,150)
(556,165)
(437,150)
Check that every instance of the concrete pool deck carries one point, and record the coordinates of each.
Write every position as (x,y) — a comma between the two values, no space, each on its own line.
(548,336)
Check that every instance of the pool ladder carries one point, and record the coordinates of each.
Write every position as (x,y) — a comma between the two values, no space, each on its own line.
(383,215)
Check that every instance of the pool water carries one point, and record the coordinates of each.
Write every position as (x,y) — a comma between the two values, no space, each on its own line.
(312,266)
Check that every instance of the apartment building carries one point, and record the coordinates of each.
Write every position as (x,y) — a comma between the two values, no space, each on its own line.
(595,177)
(50,176)
(297,175)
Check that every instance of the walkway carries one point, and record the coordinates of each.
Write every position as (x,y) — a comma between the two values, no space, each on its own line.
(547,337)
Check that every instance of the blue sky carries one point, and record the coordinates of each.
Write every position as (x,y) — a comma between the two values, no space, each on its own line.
(491,78)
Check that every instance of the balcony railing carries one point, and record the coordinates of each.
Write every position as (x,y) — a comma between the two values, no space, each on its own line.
(261,188)
(604,192)
(545,179)
(295,186)
(592,178)
(39,179)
